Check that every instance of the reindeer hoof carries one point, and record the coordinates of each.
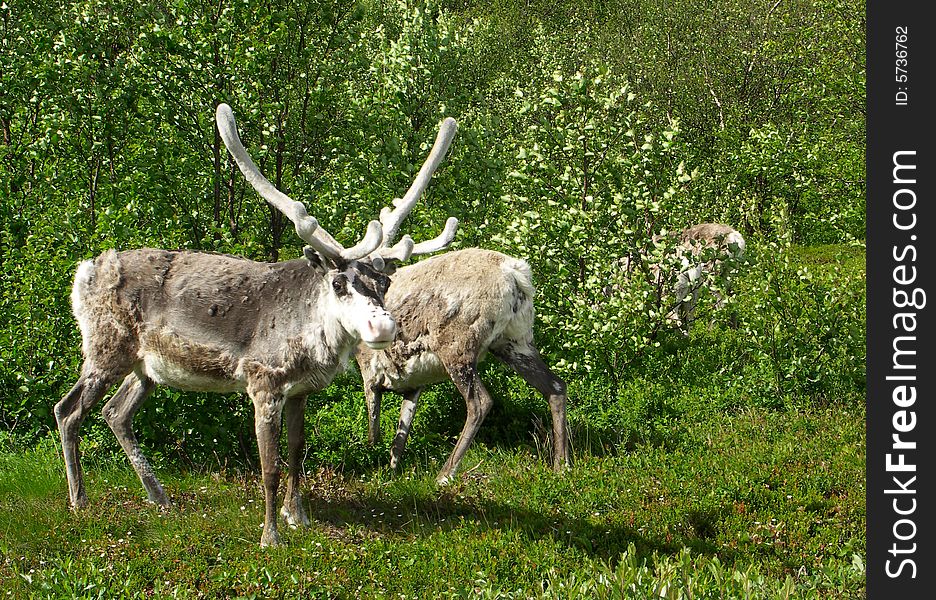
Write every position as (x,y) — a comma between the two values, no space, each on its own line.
(270,538)
(295,518)
(162,501)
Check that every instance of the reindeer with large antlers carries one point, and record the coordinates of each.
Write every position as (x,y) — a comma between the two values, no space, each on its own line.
(208,322)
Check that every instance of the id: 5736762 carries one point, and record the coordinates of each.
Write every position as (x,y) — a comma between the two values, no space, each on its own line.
(901,65)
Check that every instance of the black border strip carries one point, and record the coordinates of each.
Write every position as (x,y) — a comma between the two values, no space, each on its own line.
(901,368)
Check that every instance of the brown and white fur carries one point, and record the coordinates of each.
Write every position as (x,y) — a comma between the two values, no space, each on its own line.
(699,252)
(210,322)
(703,249)
(452,310)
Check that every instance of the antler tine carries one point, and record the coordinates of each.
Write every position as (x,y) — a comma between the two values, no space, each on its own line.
(401,251)
(368,243)
(438,243)
(405,248)
(307,227)
(391,219)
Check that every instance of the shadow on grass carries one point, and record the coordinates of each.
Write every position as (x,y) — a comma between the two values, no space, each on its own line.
(449,509)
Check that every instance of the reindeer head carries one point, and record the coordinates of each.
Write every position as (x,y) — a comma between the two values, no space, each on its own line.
(354,291)
(354,280)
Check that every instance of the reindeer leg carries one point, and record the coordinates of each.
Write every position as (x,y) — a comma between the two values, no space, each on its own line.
(478,402)
(70,411)
(373,393)
(678,314)
(268,413)
(526,361)
(694,281)
(293,511)
(119,412)
(407,412)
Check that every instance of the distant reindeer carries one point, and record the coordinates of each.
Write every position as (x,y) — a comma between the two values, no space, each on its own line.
(209,322)
(452,310)
(700,252)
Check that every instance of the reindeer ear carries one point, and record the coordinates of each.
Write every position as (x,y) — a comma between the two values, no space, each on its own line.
(316,261)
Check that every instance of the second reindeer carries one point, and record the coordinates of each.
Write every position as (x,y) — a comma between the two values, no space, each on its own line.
(452,310)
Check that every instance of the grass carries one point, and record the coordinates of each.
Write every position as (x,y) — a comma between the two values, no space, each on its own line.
(760,503)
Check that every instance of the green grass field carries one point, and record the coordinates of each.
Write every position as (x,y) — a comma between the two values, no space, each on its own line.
(758,504)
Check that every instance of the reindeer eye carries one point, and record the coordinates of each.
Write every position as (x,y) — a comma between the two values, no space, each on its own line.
(338,285)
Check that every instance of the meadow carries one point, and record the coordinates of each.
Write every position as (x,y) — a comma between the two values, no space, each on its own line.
(755,504)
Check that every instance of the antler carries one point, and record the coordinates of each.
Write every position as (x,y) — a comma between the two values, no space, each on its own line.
(307,227)
(390,219)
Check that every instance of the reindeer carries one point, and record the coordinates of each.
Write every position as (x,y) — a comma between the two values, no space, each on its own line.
(452,310)
(699,252)
(209,322)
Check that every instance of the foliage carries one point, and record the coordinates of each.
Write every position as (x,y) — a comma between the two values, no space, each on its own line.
(751,83)
(569,155)
(806,323)
(595,180)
